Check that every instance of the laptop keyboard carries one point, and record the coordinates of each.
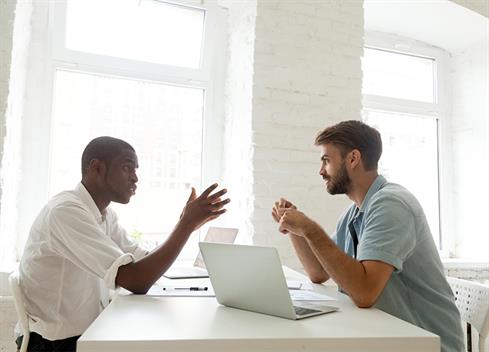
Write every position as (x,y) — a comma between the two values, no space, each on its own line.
(304,311)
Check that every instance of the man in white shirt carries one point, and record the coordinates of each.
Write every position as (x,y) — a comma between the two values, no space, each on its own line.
(76,249)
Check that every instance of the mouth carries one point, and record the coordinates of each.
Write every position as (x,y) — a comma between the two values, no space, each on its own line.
(132,189)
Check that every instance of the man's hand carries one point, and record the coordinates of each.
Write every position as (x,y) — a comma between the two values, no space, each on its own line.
(279,209)
(296,222)
(203,208)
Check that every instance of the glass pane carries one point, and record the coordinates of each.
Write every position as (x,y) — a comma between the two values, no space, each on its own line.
(398,75)
(162,122)
(143,30)
(410,157)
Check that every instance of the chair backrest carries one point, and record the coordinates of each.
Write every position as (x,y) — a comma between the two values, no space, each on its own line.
(472,300)
(14,281)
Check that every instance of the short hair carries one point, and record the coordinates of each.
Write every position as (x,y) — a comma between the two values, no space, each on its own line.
(103,148)
(353,134)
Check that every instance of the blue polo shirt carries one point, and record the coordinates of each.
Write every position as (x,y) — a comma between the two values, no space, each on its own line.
(392,228)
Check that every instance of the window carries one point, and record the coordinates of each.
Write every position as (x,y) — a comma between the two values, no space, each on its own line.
(148,72)
(401,94)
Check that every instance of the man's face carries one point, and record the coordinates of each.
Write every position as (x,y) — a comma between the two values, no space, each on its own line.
(333,170)
(121,178)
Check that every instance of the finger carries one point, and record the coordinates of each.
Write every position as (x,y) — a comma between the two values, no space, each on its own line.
(275,206)
(282,202)
(192,196)
(215,215)
(281,212)
(216,195)
(208,191)
(218,213)
(219,205)
(275,216)
(282,229)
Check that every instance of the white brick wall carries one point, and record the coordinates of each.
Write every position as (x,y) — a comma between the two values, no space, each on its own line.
(470,143)
(237,109)
(7,10)
(307,75)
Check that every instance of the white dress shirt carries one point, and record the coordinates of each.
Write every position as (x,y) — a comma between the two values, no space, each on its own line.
(70,261)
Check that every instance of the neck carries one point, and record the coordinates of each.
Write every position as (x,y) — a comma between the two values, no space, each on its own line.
(360,186)
(100,201)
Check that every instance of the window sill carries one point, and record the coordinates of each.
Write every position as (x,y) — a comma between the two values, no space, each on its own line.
(464,263)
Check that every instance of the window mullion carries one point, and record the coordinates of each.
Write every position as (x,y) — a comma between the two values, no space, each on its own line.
(400,105)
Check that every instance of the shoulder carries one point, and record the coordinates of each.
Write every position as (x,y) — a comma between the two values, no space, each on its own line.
(66,203)
(393,198)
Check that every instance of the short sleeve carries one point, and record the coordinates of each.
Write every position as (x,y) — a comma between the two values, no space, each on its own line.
(76,236)
(388,233)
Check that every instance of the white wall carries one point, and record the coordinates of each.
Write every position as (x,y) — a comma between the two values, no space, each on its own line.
(7,11)
(14,116)
(294,68)
(238,165)
(470,145)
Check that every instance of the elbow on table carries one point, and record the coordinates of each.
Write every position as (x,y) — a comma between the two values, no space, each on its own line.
(130,280)
(364,301)
(318,278)
(139,291)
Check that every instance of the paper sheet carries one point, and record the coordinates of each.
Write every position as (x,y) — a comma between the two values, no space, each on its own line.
(306,295)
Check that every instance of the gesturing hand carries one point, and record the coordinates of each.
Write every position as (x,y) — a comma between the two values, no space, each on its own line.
(279,209)
(203,208)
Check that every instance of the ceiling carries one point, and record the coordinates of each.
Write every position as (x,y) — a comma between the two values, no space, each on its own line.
(441,23)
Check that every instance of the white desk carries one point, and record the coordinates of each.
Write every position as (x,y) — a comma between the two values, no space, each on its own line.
(143,323)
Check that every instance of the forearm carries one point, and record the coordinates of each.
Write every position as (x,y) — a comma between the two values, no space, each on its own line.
(346,271)
(309,261)
(138,277)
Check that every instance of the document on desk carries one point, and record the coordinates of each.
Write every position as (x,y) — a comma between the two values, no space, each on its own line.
(307,295)
(181,291)
(299,285)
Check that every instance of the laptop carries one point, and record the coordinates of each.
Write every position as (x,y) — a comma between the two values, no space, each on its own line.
(198,270)
(251,278)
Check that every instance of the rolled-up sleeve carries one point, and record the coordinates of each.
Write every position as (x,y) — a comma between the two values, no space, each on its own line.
(77,237)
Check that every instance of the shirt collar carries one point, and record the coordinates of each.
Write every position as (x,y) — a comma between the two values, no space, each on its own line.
(86,197)
(378,183)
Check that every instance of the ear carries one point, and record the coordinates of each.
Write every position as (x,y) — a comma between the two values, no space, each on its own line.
(354,158)
(97,167)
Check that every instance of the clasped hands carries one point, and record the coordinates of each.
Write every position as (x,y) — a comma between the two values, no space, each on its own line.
(291,220)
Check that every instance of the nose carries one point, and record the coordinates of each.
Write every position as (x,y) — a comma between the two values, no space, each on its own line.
(134,177)
(322,171)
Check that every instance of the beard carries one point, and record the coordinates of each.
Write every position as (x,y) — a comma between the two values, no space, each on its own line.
(340,183)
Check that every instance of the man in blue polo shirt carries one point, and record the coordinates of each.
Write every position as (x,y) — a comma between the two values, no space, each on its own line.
(382,254)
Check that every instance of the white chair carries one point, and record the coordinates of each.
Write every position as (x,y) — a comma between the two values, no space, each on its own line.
(14,282)
(472,300)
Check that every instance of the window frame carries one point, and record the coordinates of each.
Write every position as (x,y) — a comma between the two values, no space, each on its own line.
(439,109)
(210,77)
